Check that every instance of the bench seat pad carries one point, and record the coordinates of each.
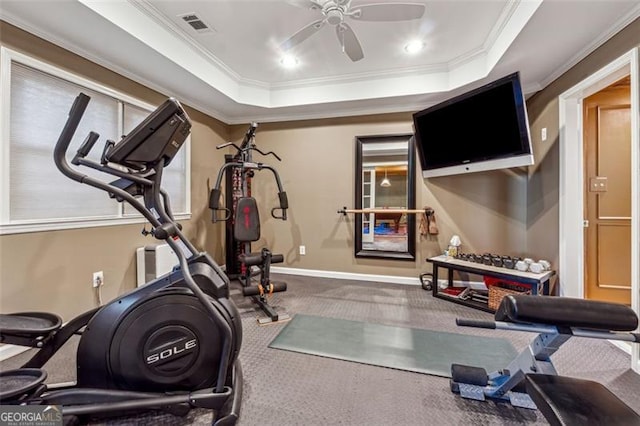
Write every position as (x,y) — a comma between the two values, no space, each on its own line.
(568,401)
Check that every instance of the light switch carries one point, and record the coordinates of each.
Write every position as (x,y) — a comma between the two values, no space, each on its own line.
(598,184)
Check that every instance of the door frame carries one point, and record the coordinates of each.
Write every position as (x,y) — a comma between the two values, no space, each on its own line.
(571,176)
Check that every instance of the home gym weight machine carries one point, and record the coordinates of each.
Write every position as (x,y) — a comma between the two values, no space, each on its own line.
(169,345)
(243,223)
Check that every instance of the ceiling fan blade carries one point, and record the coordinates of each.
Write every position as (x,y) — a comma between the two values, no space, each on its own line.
(349,42)
(386,12)
(302,35)
(304,4)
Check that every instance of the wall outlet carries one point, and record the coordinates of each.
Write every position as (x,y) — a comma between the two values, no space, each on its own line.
(98,279)
(543,134)
(303,251)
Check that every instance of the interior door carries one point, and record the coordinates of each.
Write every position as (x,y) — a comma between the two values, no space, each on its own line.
(607,141)
(368,202)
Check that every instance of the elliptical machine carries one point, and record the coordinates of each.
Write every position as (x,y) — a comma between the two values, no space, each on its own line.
(243,224)
(171,344)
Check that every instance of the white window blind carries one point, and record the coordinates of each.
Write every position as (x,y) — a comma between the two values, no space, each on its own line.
(39,109)
(35,194)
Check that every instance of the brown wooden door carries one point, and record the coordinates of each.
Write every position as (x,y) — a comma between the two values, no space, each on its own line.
(607,141)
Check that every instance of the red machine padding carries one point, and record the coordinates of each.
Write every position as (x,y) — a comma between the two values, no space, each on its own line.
(566,312)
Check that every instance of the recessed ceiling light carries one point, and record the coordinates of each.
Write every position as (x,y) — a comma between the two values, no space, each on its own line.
(414,46)
(289,61)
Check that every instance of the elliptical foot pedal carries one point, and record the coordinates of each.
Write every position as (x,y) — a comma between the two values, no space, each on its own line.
(29,323)
(15,384)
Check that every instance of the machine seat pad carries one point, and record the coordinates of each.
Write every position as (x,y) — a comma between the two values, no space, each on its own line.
(255,259)
(30,324)
(567,401)
(566,312)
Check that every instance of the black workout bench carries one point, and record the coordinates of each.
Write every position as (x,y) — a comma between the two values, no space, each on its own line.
(531,380)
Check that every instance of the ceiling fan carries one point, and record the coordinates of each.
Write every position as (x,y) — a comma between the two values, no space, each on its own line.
(335,12)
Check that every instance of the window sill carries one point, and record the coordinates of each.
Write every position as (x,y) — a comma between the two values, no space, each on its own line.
(59,225)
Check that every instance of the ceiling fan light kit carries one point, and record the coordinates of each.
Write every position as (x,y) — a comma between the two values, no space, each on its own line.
(414,46)
(289,61)
(335,12)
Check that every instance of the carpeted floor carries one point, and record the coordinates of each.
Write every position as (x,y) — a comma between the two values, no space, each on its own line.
(287,388)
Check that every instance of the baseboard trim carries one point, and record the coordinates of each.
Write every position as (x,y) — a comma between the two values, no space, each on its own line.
(346,275)
(8,351)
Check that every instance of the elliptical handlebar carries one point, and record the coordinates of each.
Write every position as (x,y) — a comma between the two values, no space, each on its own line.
(60,158)
(158,213)
(59,152)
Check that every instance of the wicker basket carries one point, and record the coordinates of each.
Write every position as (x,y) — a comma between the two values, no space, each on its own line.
(496,293)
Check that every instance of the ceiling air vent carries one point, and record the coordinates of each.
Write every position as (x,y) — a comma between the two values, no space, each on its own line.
(196,23)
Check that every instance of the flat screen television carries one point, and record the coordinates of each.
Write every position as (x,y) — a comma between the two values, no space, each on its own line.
(484,129)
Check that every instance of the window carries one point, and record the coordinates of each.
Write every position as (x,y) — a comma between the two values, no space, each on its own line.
(35,196)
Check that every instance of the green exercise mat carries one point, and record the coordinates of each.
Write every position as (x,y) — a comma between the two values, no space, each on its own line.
(411,349)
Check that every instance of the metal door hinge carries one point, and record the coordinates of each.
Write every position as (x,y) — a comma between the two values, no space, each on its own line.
(585,223)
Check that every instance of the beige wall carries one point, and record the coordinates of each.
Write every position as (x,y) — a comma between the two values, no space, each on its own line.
(487,210)
(543,186)
(52,271)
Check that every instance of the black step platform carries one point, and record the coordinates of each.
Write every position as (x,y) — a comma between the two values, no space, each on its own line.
(568,401)
(29,323)
(15,383)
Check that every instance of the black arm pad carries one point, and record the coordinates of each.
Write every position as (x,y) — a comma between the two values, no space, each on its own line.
(284,202)
(251,259)
(255,259)
(214,199)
